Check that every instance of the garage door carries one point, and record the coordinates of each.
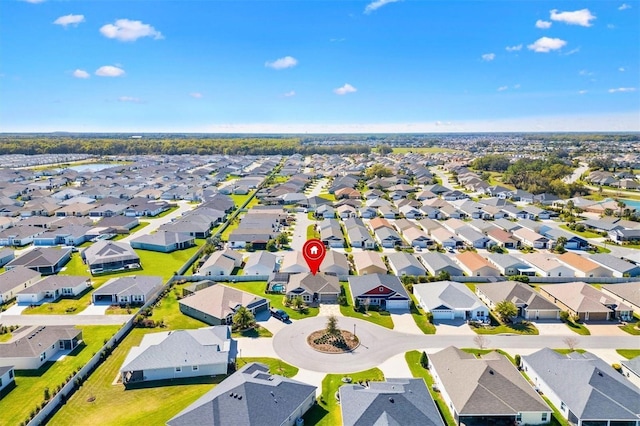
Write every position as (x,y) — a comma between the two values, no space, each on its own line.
(543,314)
(397,304)
(261,308)
(442,314)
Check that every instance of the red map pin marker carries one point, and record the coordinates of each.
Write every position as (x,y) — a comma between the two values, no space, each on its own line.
(313,252)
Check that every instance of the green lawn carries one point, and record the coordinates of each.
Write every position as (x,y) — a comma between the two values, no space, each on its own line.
(382,318)
(233,225)
(413,360)
(276,366)
(568,351)
(138,227)
(628,353)
(239,200)
(255,332)
(259,287)
(165,213)
(99,402)
(632,327)
(29,391)
(584,234)
(497,327)
(168,310)
(312,232)
(327,196)
(327,411)
(420,317)
(4,337)
(578,328)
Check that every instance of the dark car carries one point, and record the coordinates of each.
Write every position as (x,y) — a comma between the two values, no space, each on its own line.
(280,314)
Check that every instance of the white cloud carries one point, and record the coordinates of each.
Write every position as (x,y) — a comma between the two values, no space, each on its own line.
(624,6)
(282,63)
(129,99)
(543,24)
(289,94)
(572,51)
(109,71)
(80,74)
(515,48)
(622,90)
(585,72)
(347,88)
(516,86)
(69,20)
(502,88)
(126,30)
(488,57)
(582,17)
(582,92)
(621,69)
(377,4)
(34,1)
(196,95)
(546,44)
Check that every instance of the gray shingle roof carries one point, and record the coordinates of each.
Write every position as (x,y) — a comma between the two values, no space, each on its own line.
(250,396)
(589,387)
(16,276)
(448,293)
(399,402)
(109,251)
(362,284)
(39,337)
(518,293)
(130,286)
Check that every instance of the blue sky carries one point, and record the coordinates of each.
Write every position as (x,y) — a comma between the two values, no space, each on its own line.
(319,66)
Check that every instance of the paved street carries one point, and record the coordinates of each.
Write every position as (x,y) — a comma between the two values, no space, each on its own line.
(154,224)
(380,344)
(63,319)
(442,176)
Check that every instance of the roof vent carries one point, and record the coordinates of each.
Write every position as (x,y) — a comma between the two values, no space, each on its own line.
(231,394)
(491,372)
(600,373)
(239,396)
(391,400)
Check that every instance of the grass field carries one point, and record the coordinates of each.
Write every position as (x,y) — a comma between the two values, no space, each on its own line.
(327,411)
(423,150)
(413,360)
(631,328)
(100,402)
(168,311)
(255,332)
(312,232)
(381,318)
(5,337)
(628,353)
(165,213)
(259,287)
(29,391)
(583,234)
(578,328)
(139,226)
(276,366)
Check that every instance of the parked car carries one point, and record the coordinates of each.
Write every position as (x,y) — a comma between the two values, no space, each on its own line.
(280,314)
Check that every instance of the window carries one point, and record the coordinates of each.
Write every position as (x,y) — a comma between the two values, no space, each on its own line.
(43,356)
(61,344)
(194,368)
(178,369)
(544,417)
(380,289)
(11,374)
(563,406)
(519,417)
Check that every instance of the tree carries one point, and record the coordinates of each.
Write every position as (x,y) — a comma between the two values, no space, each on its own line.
(444,276)
(424,360)
(297,303)
(560,243)
(272,246)
(377,170)
(332,326)
(506,309)
(243,318)
(517,360)
(481,341)
(384,149)
(571,342)
(282,239)
(621,205)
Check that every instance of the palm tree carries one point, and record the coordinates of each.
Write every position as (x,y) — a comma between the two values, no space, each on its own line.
(621,206)
(297,303)
(243,318)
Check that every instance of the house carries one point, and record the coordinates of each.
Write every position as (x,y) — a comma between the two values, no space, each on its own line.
(250,396)
(547,265)
(631,370)
(318,288)
(217,304)
(509,265)
(503,238)
(47,260)
(531,305)
(107,256)
(163,241)
(417,237)
(438,263)
(7,378)
(447,300)
(326,212)
(387,237)
(368,262)
(331,233)
(37,345)
(489,389)
(446,238)
(293,263)
(403,263)
(53,287)
(221,262)
(625,235)
(392,402)
(573,242)
(618,267)
(133,290)
(625,293)
(15,280)
(359,237)
(585,389)
(475,265)
(582,266)
(473,238)
(260,263)
(531,239)
(6,256)
(385,291)
(180,354)
(335,263)
(585,301)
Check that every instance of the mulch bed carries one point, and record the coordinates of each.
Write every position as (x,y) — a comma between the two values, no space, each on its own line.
(350,340)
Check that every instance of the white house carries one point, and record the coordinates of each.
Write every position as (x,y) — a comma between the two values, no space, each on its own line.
(450,300)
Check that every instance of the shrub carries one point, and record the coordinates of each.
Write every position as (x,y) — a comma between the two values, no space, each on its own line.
(47,394)
(517,359)
(616,367)
(564,316)
(424,360)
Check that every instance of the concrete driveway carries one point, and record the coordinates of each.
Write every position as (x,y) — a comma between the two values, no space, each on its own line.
(403,321)
(606,329)
(326,310)
(93,309)
(453,328)
(553,328)
(395,367)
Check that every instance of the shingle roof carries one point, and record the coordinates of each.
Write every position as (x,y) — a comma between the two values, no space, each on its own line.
(220,300)
(516,292)
(109,251)
(250,396)
(38,337)
(362,284)
(130,286)
(451,294)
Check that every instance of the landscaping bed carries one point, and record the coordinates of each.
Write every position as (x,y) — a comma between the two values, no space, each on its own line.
(322,341)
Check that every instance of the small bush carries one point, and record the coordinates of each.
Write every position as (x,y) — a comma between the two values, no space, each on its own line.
(617,367)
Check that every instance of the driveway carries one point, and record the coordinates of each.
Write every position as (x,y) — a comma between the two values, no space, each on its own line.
(272,324)
(453,328)
(15,309)
(403,321)
(96,310)
(256,347)
(395,367)
(553,328)
(606,329)
(312,378)
(326,310)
